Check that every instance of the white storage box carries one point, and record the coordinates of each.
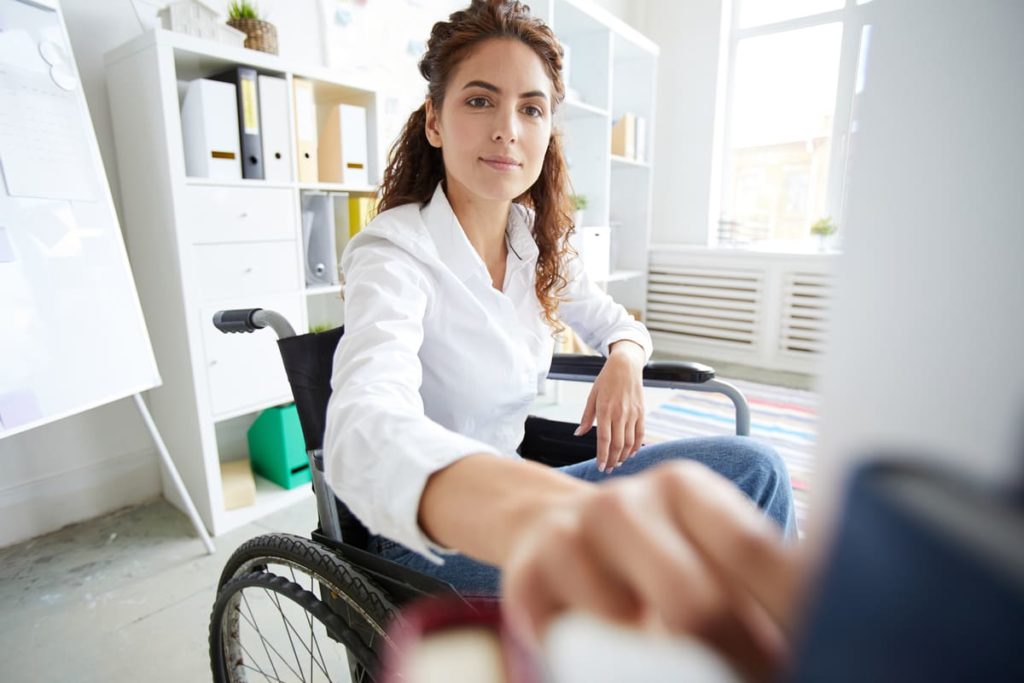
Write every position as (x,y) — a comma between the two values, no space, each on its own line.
(594,246)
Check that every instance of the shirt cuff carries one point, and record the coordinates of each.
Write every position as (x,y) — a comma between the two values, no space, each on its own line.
(410,534)
(643,339)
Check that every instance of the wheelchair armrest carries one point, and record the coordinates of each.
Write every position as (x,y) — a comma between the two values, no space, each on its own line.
(582,368)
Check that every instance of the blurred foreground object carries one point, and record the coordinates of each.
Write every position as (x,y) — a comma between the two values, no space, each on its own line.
(443,639)
(925,582)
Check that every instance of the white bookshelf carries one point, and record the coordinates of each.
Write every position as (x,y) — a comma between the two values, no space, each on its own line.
(179,229)
(612,71)
(198,245)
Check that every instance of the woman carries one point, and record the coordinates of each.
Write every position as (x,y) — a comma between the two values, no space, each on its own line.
(452,296)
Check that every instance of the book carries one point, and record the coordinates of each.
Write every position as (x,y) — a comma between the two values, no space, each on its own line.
(624,136)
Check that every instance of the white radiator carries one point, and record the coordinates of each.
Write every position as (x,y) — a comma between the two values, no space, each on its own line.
(761,309)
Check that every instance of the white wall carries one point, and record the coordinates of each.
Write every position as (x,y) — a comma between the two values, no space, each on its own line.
(103,460)
(688,33)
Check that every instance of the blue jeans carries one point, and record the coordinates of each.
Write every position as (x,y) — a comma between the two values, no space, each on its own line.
(753,466)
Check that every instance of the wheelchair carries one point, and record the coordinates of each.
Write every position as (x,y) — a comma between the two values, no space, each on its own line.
(319,608)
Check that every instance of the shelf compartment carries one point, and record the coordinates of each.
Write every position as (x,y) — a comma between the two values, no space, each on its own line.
(339,187)
(626,162)
(269,498)
(325,289)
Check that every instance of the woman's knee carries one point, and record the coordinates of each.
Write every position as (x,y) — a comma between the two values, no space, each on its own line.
(759,460)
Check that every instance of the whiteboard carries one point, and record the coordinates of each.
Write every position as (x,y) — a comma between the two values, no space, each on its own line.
(72,334)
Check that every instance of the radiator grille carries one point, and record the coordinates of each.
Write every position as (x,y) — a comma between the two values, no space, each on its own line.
(714,305)
(805,305)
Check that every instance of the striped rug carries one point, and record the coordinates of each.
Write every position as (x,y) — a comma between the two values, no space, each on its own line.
(785,418)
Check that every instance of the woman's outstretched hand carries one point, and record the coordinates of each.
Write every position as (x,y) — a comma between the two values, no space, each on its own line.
(616,401)
(677,548)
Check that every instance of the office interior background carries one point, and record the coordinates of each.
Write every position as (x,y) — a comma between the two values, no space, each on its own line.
(785,179)
(742,187)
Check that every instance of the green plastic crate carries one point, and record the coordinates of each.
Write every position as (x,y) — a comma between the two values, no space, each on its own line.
(277,449)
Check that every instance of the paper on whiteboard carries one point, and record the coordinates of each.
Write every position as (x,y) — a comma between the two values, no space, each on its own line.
(6,248)
(43,149)
(18,407)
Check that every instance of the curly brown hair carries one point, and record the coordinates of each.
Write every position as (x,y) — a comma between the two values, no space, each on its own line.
(415,167)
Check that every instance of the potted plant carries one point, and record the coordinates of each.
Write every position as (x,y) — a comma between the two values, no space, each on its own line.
(824,228)
(259,33)
(579,203)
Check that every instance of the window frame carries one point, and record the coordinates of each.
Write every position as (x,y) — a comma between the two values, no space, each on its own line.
(854,16)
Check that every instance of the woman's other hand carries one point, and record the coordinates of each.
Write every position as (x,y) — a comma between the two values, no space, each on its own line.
(677,548)
(616,401)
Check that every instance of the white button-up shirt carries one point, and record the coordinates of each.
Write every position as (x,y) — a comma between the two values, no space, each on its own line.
(435,363)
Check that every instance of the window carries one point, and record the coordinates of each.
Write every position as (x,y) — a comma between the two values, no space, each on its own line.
(790,79)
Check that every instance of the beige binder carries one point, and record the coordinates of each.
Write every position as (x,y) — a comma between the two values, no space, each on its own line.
(305,130)
(343,149)
(624,137)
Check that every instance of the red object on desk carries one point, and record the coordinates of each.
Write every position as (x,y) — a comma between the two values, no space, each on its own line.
(434,615)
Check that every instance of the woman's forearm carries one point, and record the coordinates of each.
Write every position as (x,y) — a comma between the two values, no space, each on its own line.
(481,504)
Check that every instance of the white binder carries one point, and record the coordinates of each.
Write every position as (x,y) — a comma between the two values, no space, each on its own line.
(209,126)
(593,244)
(305,130)
(343,149)
(277,158)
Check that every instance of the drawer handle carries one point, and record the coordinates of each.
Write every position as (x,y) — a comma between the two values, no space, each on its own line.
(244,214)
(248,270)
(213,362)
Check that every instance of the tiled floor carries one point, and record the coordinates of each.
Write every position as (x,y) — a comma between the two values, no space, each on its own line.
(125,597)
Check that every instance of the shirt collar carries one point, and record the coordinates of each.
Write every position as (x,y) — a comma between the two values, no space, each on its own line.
(454,247)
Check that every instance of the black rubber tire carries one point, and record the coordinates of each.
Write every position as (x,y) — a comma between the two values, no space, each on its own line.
(352,596)
(333,624)
(321,561)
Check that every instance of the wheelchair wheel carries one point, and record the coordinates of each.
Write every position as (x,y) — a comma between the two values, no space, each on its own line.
(265,627)
(362,610)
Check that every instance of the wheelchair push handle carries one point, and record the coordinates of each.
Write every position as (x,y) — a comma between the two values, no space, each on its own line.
(252,319)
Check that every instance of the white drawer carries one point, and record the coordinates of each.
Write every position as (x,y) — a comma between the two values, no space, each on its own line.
(245,370)
(236,270)
(233,214)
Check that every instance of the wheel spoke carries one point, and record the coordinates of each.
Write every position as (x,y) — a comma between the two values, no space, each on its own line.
(287,630)
(321,664)
(256,668)
(257,629)
(309,649)
(267,643)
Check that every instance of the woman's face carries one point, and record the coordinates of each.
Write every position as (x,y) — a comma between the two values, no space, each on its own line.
(495,123)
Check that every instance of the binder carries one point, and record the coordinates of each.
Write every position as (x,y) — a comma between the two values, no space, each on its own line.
(641,138)
(247,91)
(343,149)
(359,213)
(305,130)
(624,136)
(342,220)
(318,239)
(274,106)
(209,130)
